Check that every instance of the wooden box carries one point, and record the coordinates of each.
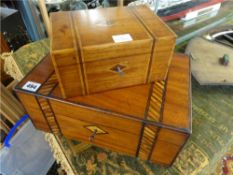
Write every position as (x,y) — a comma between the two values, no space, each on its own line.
(151,121)
(103,49)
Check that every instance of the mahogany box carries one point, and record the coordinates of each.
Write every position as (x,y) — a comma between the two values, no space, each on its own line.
(103,49)
(150,121)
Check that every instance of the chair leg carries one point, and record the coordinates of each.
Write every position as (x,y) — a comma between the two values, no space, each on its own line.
(45,16)
(10,107)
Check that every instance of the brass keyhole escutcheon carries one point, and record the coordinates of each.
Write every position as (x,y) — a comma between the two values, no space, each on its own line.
(118,69)
(92,136)
(95,131)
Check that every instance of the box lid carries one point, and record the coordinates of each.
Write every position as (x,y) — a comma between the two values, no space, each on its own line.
(106,33)
(157,28)
(132,102)
(111,32)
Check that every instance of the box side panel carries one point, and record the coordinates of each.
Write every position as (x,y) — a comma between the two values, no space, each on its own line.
(161,59)
(167,145)
(164,42)
(174,112)
(65,55)
(61,35)
(70,80)
(33,109)
(177,104)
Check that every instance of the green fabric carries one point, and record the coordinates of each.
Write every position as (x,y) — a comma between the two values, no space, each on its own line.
(29,55)
(212,132)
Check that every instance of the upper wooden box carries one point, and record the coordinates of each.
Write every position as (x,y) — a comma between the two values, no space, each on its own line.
(103,49)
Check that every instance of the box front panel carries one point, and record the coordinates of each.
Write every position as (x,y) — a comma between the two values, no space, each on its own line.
(116,50)
(116,73)
(99,135)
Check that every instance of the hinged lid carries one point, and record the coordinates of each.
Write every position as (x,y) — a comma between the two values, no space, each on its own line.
(110,33)
(175,101)
(106,33)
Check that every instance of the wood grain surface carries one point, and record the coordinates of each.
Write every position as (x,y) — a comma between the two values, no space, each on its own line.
(95,117)
(113,139)
(177,104)
(125,114)
(102,75)
(33,109)
(82,44)
(164,42)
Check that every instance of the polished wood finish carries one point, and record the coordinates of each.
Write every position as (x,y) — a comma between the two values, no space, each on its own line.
(95,117)
(167,146)
(151,121)
(82,45)
(113,138)
(164,42)
(121,101)
(33,109)
(177,99)
(103,76)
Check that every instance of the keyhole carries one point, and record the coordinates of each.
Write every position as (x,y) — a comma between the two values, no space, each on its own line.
(119,71)
(92,136)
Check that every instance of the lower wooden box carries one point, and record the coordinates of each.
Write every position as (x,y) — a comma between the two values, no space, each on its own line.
(150,121)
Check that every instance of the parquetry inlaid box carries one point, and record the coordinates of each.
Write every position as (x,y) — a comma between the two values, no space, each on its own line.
(151,121)
(103,49)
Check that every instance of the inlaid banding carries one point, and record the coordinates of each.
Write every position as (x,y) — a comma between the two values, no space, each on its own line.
(154,114)
(49,85)
(149,133)
(49,115)
(156,101)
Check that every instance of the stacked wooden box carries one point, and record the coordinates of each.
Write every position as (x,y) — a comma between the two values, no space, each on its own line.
(109,81)
(109,48)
